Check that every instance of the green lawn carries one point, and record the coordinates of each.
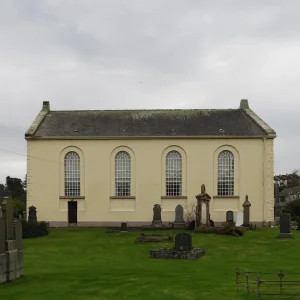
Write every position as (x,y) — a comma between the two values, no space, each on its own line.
(82,264)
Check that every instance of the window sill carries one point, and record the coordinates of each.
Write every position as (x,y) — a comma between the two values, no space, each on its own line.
(226,197)
(122,197)
(72,197)
(173,197)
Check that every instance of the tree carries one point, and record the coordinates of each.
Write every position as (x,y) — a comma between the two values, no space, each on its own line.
(293,208)
(19,208)
(2,188)
(16,187)
(25,183)
(190,212)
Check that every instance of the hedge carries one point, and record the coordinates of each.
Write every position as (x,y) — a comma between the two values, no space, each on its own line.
(34,229)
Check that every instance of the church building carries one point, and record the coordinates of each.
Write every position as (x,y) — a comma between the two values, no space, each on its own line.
(104,167)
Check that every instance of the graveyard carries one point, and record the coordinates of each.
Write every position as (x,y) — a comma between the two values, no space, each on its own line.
(78,263)
(157,261)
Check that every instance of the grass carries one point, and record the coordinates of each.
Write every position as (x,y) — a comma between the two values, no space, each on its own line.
(88,264)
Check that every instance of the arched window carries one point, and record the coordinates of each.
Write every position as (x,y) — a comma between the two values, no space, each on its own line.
(122,174)
(226,173)
(173,174)
(72,174)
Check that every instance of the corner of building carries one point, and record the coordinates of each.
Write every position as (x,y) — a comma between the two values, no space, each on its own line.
(268,149)
(268,181)
(29,164)
(244,105)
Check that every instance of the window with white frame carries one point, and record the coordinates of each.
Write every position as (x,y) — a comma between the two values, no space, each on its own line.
(122,174)
(173,174)
(226,173)
(72,174)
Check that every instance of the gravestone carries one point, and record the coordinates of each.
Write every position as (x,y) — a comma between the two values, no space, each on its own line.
(239,218)
(18,234)
(2,253)
(123,227)
(2,237)
(183,241)
(3,214)
(179,214)
(183,249)
(5,195)
(19,247)
(32,214)
(203,212)
(229,216)
(179,217)
(285,223)
(157,216)
(11,252)
(246,216)
(8,210)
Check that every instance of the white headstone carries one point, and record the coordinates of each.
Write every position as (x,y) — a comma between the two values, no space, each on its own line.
(239,218)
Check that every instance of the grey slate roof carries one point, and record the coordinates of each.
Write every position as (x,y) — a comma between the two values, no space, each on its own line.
(147,123)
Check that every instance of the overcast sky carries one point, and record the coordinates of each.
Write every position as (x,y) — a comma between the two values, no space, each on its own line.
(89,54)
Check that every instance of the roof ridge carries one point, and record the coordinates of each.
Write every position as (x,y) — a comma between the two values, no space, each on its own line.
(37,121)
(150,109)
(253,121)
(259,122)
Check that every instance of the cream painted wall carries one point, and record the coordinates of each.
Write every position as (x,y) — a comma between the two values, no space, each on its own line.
(253,176)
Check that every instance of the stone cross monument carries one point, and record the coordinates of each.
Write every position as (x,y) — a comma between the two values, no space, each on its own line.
(202,215)
(246,205)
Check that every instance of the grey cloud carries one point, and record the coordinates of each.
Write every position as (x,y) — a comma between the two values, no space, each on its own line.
(198,54)
(13,160)
(12,166)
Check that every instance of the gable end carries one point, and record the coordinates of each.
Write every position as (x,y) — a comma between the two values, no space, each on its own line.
(38,120)
(270,132)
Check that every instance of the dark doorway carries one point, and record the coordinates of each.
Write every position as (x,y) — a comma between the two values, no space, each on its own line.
(72,211)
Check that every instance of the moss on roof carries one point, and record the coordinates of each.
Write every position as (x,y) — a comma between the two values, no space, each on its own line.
(157,122)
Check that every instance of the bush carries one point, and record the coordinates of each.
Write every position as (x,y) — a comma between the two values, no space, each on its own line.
(19,207)
(228,229)
(191,225)
(34,229)
(293,208)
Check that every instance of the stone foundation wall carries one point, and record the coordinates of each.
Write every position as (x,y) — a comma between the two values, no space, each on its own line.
(55,224)
(11,264)
(3,268)
(20,263)
(11,260)
(11,248)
